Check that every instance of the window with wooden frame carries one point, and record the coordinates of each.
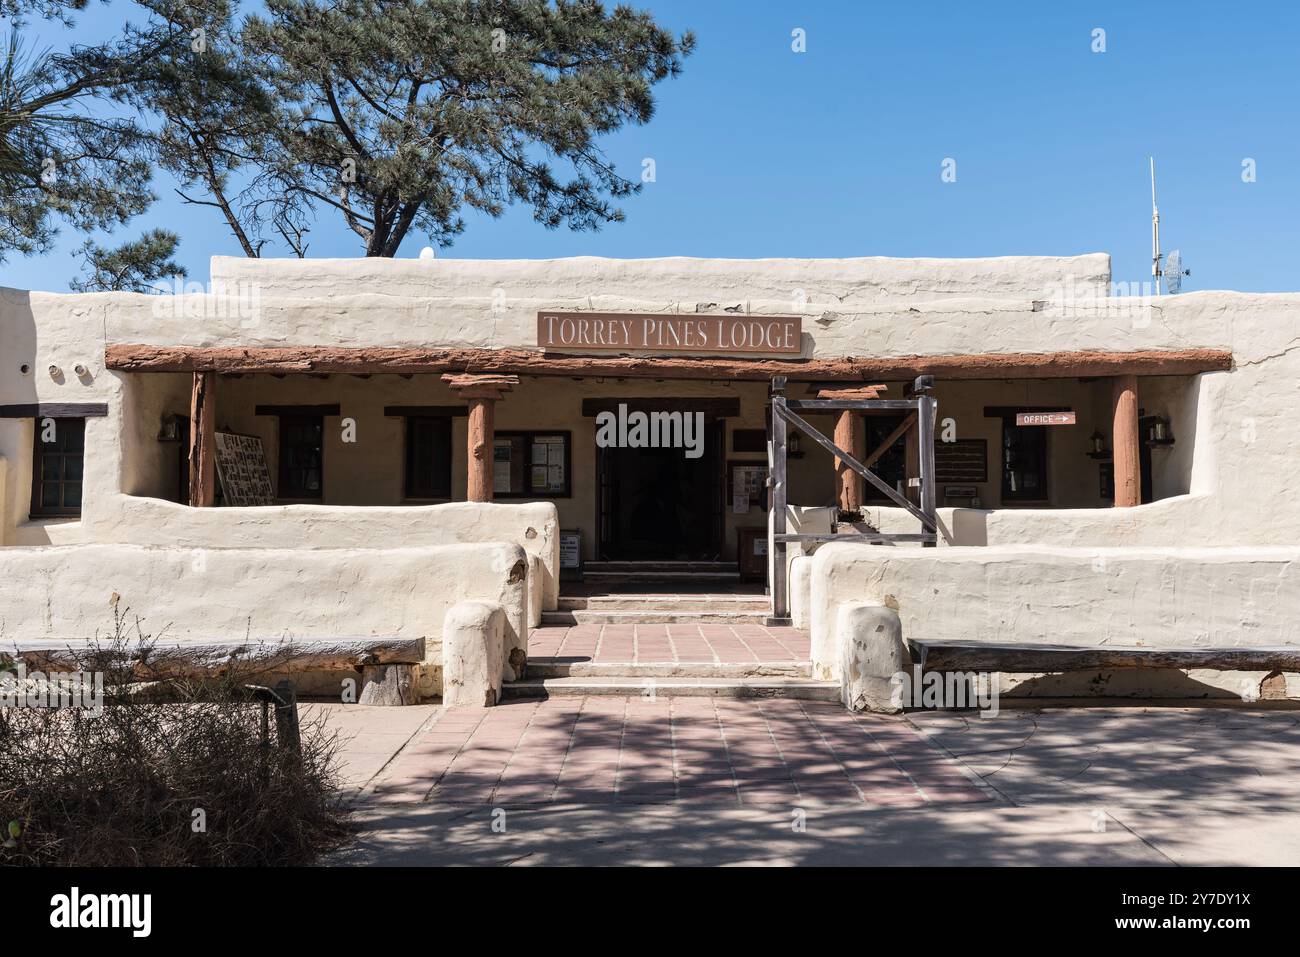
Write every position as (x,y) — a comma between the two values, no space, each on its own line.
(58,464)
(428,457)
(302,456)
(531,465)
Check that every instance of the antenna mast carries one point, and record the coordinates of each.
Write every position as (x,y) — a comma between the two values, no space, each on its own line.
(1155,230)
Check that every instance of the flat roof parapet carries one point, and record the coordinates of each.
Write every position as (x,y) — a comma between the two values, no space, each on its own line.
(698,283)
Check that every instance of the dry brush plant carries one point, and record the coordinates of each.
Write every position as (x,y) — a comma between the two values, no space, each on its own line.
(172,772)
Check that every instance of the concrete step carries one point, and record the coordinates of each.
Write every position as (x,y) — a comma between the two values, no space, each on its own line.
(660,578)
(701,617)
(564,668)
(672,568)
(802,689)
(634,573)
(755,604)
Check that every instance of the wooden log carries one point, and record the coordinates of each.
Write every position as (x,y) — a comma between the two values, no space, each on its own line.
(1125,442)
(54,410)
(849,436)
(197,659)
(203,440)
(862,392)
(482,393)
(1049,659)
(128,357)
(388,685)
(482,415)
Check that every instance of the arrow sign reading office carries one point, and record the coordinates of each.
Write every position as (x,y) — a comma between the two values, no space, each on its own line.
(1045,418)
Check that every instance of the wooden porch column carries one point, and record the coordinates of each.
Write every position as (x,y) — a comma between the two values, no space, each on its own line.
(481,392)
(848,483)
(203,440)
(1124,439)
(850,435)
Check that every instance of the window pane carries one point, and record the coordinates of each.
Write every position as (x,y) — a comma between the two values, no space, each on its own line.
(57,466)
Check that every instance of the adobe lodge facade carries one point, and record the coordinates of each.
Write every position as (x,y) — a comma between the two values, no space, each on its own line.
(429,429)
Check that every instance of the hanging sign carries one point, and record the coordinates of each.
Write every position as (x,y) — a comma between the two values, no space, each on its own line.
(1045,418)
(661,332)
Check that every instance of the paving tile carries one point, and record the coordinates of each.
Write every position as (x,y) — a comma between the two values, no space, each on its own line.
(636,750)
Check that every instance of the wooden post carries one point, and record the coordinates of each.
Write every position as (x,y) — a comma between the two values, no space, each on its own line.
(287,731)
(926,411)
(482,393)
(482,416)
(203,440)
(849,437)
(776,471)
(1125,441)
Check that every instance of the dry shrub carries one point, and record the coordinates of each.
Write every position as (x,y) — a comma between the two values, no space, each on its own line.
(123,788)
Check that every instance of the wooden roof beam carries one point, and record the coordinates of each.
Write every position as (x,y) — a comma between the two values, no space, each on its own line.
(868,369)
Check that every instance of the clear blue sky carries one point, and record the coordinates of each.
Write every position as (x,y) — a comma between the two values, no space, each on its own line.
(761,151)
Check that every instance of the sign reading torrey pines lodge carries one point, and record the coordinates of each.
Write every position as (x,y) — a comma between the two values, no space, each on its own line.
(660,332)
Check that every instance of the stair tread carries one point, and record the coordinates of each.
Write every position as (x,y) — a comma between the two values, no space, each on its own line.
(677,681)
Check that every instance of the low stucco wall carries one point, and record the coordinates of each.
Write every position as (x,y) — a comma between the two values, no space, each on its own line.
(231,593)
(533,526)
(1129,596)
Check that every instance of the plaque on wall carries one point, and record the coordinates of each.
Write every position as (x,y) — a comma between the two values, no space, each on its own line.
(242,470)
(571,554)
(961,461)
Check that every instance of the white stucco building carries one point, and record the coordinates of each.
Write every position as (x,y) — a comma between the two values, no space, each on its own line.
(384,393)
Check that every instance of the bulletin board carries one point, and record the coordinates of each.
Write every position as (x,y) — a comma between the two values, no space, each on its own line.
(746,486)
(242,470)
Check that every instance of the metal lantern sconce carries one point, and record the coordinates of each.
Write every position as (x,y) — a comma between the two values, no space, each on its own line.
(171,429)
(1159,433)
(1097,446)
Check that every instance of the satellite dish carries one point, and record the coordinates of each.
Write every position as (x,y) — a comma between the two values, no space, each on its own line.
(1174,272)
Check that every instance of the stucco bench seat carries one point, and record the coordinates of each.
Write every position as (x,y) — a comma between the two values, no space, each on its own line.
(1023,658)
(386,664)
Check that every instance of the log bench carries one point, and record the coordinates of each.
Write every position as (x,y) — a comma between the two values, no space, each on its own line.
(386,665)
(1022,658)
(873,655)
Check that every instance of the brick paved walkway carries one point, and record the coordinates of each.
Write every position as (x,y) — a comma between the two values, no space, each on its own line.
(710,751)
(667,644)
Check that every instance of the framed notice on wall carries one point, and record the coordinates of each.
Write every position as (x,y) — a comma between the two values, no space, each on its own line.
(571,553)
(746,486)
(961,461)
(242,470)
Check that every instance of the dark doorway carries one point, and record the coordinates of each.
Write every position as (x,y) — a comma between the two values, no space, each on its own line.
(659,505)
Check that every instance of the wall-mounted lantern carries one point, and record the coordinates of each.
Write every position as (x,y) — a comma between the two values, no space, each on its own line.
(1159,432)
(1097,445)
(171,428)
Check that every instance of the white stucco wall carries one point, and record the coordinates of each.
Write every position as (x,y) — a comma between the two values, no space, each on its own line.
(1237,467)
(264,593)
(1152,597)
